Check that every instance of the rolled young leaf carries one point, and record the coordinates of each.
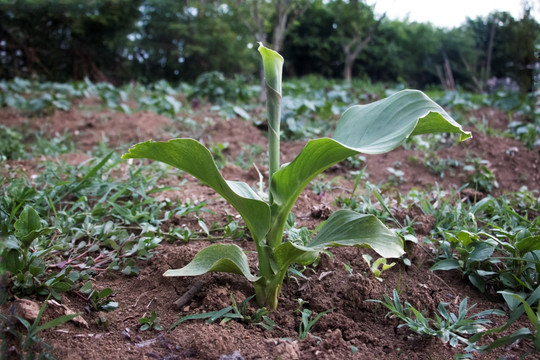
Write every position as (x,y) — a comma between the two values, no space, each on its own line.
(273,67)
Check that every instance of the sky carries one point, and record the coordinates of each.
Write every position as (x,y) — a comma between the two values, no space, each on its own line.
(449,13)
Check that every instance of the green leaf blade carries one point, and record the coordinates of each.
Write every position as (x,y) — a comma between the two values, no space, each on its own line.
(372,129)
(192,157)
(381,126)
(345,228)
(349,228)
(446,264)
(216,258)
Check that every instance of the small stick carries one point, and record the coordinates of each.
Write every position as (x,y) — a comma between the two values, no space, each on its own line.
(188,295)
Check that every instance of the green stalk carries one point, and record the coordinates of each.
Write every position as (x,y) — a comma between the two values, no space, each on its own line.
(267,290)
(273,66)
(268,287)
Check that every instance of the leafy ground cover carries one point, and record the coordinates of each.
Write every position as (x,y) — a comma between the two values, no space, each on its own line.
(95,234)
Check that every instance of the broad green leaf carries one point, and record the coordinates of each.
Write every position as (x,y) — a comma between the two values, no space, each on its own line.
(447,264)
(345,228)
(477,281)
(481,252)
(373,129)
(530,243)
(216,258)
(28,226)
(192,157)
(348,228)
(12,261)
(28,222)
(383,125)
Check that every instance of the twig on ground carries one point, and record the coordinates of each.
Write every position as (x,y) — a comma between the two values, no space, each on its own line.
(188,295)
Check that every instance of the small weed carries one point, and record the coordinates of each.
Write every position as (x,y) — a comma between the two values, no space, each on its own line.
(378,266)
(150,322)
(307,322)
(448,327)
(233,312)
(31,346)
(355,162)
(217,150)
(99,300)
(396,176)
(11,146)
(480,177)
(518,305)
(440,166)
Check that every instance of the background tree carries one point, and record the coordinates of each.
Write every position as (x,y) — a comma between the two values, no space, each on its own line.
(67,39)
(310,46)
(524,36)
(354,26)
(180,40)
(149,40)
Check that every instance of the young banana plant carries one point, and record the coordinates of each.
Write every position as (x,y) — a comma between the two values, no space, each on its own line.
(371,129)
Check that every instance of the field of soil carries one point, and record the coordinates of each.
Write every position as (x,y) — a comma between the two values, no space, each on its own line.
(352,329)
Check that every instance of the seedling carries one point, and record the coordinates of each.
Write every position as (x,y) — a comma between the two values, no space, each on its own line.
(471,253)
(473,256)
(29,343)
(527,305)
(307,322)
(99,300)
(448,327)
(233,312)
(150,322)
(480,176)
(534,319)
(378,266)
(372,129)
(25,265)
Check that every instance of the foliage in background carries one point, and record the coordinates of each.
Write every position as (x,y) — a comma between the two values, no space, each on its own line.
(149,40)
(77,221)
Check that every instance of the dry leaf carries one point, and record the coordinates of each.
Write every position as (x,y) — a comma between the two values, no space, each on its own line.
(26,309)
(67,311)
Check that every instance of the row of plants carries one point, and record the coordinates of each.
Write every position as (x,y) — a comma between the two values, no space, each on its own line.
(311,105)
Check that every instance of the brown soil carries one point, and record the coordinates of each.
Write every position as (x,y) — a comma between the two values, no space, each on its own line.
(353,329)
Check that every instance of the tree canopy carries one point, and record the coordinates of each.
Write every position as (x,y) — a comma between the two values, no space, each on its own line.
(148,40)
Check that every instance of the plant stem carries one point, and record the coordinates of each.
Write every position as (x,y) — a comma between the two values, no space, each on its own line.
(267,290)
(273,66)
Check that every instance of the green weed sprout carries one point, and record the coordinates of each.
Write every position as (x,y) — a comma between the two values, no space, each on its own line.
(378,266)
(371,129)
(527,306)
(29,343)
(307,322)
(150,322)
(448,327)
